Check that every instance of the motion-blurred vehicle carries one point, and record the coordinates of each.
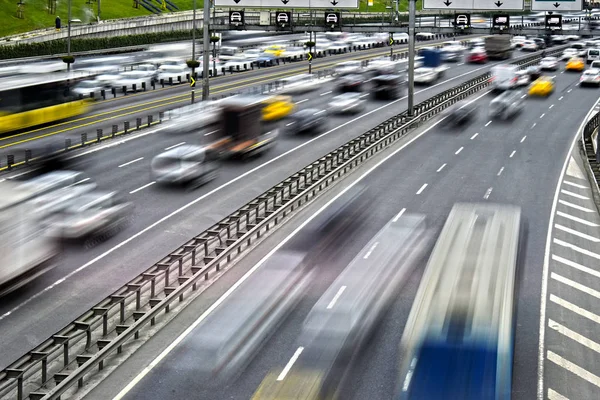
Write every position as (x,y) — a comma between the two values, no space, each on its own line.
(309,120)
(299,84)
(350,83)
(549,64)
(235,64)
(590,77)
(26,251)
(575,64)
(534,71)
(541,43)
(475,43)
(277,107)
(347,68)
(506,105)
(185,165)
(543,86)
(452,51)
(529,45)
(91,88)
(192,118)
(266,59)
(133,79)
(95,213)
(504,77)
(172,73)
(276,50)
(592,55)
(149,69)
(523,78)
(461,114)
(595,65)
(252,54)
(518,40)
(55,180)
(569,53)
(477,56)
(559,39)
(432,68)
(347,103)
(389,87)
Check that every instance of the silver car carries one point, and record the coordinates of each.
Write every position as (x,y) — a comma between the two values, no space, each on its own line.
(590,77)
(506,105)
(549,64)
(347,103)
(183,165)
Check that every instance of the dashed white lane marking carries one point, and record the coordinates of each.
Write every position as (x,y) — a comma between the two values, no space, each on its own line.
(131,162)
(320,112)
(301,101)
(575,265)
(364,95)
(459,150)
(523,138)
(500,172)
(399,215)
(489,122)
(576,219)
(542,116)
(553,395)
(551,105)
(210,133)
(523,96)
(574,368)
(487,193)
(512,154)
(573,194)
(290,363)
(560,98)
(474,136)
(143,187)
(577,185)
(441,168)
(175,145)
(80,182)
(570,90)
(534,124)
(336,297)
(325,93)
(575,308)
(575,206)
(575,285)
(462,63)
(422,188)
(371,250)
(290,123)
(576,248)
(576,233)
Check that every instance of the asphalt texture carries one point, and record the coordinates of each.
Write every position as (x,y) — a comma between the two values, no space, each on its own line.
(515,162)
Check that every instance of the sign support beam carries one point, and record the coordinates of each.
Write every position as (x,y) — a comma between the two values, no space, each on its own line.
(205,50)
(411,55)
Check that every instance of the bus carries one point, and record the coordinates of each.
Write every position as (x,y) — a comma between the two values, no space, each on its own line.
(36,100)
(458,341)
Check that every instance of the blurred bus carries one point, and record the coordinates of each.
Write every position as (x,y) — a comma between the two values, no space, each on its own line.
(458,341)
(36,100)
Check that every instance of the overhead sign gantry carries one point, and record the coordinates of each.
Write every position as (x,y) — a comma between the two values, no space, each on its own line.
(497,5)
(556,5)
(274,4)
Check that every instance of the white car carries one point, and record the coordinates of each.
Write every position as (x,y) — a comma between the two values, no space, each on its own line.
(299,84)
(175,73)
(85,88)
(590,77)
(149,69)
(252,54)
(128,79)
(569,53)
(236,63)
(549,64)
(529,45)
(425,75)
(518,40)
(347,103)
(347,67)
(339,46)
(523,78)
(572,37)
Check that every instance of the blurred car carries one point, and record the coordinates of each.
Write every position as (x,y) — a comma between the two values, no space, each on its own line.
(575,64)
(299,84)
(235,63)
(590,77)
(549,64)
(347,103)
(309,120)
(534,71)
(149,69)
(185,165)
(542,86)
(389,87)
(529,45)
(425,75)
(350,83)
(506,105)
(347,68)
(192,118)
(173,72)
(91,214)
(569,53)
(266,59)
(523,78)
(54,180)
(128,79)
(86,88)
(277,107)
(251,54)
(477,55)
(461,114)
(541,43)
(275,50)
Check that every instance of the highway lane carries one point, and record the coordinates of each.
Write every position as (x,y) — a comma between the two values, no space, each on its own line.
(507,163)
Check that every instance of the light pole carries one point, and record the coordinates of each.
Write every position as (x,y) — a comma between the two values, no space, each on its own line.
(69,36)
(206,50)
(411,55)
(193,49)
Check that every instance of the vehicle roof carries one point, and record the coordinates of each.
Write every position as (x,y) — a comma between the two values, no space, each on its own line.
(14,193)
(182,151)
(10,82)
(592,71)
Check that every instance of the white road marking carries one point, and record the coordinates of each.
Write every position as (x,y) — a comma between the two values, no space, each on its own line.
(534,124)
(575,265)
(301,101)
(175,145)
(131,162)
(512,154)
(542,116)
(80,182)
(422,188)
(459,150)
(462,63)
(290,123)
(523,138)
(441,168)
(570,90)
(574,335)
(489,122)
(553,395)
(574,368)
(576,233)
(577,185)
(364,95)
(575,308)
(325,93)
(575,285)
(488,193)
(576,219)
(290,363)
(336,297)
(474,136)
(523,96)
(319,112)
(574,170)
(560,98)
(143,187)
(576,248)
(551,105)
(399,215)
(562,72)
(210,133)
(500,172)
(572,194)
(371,250)
(575,206)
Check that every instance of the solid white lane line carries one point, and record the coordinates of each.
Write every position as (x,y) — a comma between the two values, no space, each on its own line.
(441,168)
(474,136)
(143,187)
(575,308)
(290,364)
(576,248)
(175,145)
(534,124)
(459,150)
(512,154)
(553,395)
(371,250)
(576,219)
(572,194)
(551,105)
(575,206)
(489,122)
(422,188)
(590,344)
(210,133)
(575,265)
(523,139)
(575,285)
(290,123)
(577,185)
(131,162)
(542,116)
(576,233)
(500,172)
(399,215)
(487,193)
(325,93)
(319,112)
(80,182)
(560,98)
(574,368)
(336,297)
(364,95)
(301,101)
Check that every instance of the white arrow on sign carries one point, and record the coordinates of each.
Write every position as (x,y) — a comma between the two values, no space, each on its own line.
(498,5)
(554,5)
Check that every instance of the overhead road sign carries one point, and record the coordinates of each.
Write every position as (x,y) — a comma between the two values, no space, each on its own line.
(556,5)
(501,21)
(498,5)
(283,18)
(462,20)
(333,19)
(553,21)
(275,4)
(236,18)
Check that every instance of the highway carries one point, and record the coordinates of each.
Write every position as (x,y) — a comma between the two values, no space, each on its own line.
(517,162)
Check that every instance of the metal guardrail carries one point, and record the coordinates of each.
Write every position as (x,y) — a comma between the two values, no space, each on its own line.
(65,359)
(592,157)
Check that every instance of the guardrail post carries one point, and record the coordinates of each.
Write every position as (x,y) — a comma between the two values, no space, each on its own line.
(170,80)
(67,144)
(162,82)
(144,86)
(134,87)
(114,92)
(83,139)
(115,129)
(138,123)
(103,94)
(161,116)
(18,375)
(150,118)
(125,127)
(98,135)
(125,90)
(27,156)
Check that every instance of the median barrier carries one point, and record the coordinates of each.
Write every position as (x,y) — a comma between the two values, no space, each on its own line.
(591,155)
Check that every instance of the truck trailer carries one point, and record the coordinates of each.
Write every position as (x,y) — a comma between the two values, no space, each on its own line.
(498,47)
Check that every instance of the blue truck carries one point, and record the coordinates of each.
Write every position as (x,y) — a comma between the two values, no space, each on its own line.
(431,68)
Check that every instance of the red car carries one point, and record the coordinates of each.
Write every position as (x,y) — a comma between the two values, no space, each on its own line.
(477,57)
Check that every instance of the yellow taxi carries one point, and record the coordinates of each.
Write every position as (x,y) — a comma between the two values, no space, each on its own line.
(276,50)
(277,107)
(543,86)
(575,64)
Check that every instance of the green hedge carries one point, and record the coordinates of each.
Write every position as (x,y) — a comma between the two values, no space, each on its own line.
(77,45)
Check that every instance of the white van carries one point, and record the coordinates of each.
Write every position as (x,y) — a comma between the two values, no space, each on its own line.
(593,55)
(504,77)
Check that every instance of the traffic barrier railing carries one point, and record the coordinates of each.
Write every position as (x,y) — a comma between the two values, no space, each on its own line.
(591,155)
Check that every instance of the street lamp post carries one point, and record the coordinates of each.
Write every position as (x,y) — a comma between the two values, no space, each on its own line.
(193,49)
(69,36)
(206,50)
(411,55)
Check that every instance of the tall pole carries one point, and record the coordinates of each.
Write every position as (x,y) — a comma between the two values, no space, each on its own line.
(206,50)
(194,49)
(69,36)
(99,1)
(411,55)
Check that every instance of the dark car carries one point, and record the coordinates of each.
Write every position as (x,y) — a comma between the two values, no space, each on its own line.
(350,83)
(309,120)
(534,71)
(389,87)
(540,42)
(462,113)
(266,59)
